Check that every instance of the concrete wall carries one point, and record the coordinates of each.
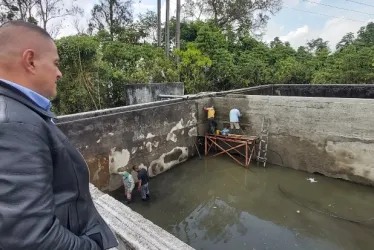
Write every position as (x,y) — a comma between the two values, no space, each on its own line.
(319,90)
(145,93)
(332,136)
(155,136)
(133,231)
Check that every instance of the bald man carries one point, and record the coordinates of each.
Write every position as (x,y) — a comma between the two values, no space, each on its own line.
(45,201)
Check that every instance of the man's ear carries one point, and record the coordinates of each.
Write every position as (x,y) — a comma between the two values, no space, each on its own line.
(28,60)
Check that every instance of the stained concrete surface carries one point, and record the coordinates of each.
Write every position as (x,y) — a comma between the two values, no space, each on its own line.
(215,204)
(331,136)
(155,137)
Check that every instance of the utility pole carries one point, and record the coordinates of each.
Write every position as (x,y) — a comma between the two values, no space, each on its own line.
(167,30)
(178,27)
(159,23)
(178,32)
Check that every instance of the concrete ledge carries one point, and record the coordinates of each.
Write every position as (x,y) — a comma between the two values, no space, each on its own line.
(110,111)
(132,230)
(146,93)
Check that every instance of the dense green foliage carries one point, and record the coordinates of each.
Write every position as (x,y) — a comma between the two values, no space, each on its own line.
(117,50)
(211,59)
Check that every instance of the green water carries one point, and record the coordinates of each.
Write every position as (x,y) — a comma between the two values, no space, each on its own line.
(216,204)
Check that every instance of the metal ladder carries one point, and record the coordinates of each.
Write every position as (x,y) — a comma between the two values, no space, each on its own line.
(263,146)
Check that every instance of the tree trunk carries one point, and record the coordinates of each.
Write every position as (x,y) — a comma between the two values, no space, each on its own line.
(159,23)
(111,15)
(178,32)
(178,26)
(167,30)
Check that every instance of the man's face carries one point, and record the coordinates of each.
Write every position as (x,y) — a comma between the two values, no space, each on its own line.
(46,71)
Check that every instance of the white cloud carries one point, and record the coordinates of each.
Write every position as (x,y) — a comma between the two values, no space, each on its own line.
(297,35)
(333,30)
(336,28)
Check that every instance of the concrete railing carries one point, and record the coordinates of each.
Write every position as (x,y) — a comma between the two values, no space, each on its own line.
(132,230)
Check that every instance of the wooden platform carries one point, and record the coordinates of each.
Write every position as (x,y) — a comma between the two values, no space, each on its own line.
(234,143)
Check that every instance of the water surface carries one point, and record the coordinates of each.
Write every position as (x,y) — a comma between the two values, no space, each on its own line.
(215,204)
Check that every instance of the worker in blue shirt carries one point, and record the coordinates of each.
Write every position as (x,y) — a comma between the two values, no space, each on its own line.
(234,118)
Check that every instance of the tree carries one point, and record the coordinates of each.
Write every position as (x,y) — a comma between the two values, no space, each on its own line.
(17,10)
(242,14)
(148,25)
(79,90)
(365,36)
(111,15)
(347,40)
(192,67)
(49,14)
(210,38)
(303,55)
(193,9)
(290,71)
(280,51)
(252,69)
(318,44)
(49,11)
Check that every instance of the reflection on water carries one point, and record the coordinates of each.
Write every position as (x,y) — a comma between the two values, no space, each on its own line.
(216,204)
(216,225)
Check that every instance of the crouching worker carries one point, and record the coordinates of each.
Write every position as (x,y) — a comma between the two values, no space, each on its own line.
(128,183)
(212,124)
(143,182)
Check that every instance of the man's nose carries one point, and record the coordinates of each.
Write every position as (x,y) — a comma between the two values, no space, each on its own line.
(59,75)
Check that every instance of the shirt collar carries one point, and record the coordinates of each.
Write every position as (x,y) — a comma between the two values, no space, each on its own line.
(40,100)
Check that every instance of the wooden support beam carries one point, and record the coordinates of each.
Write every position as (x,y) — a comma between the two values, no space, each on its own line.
(248,143)
(225,151)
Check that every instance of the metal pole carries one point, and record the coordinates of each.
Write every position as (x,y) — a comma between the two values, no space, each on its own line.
(167,30)
(178,26)
(246,154)
(178,31)
(159,23)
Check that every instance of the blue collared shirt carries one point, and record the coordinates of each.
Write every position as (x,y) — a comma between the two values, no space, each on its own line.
(40,100)
(234,115)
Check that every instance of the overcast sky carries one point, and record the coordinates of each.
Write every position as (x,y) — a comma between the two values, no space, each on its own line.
(294,23)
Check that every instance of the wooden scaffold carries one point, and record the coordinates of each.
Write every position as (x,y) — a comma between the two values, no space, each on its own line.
(234,143)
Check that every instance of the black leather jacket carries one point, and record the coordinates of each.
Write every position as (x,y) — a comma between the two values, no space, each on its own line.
(45,201)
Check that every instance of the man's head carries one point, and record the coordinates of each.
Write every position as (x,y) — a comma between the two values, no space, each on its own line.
(136,168)
(28,57)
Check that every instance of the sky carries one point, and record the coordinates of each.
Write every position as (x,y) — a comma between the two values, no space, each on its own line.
(297,22)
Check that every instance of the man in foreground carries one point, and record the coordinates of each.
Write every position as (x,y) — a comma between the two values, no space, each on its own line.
(142,182)
(45,203)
